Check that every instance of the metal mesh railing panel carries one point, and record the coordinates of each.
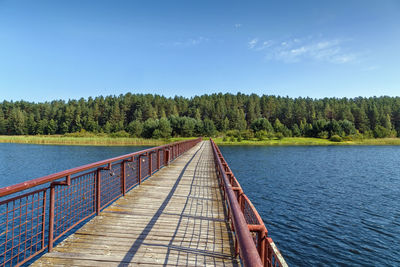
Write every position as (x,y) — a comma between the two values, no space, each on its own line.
(110,184)
(74,203)
(144,161)
(22,227)
(131,174)
(154,157)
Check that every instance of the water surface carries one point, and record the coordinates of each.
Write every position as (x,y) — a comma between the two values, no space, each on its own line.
(325,205)
(322,205)
(21,162)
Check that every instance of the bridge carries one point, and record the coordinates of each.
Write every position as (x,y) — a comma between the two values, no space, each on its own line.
(177,204)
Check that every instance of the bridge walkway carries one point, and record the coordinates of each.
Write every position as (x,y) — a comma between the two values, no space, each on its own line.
(176,217)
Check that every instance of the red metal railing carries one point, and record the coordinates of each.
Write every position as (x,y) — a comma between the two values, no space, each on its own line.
(32,220)
(252,243)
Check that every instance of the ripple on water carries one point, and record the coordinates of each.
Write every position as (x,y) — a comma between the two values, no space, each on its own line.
(325,206)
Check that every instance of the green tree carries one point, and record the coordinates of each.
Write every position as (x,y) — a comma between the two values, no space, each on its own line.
(3,123)
(16,122)
(209,128)
(164,128)
(149,126)
(135,128)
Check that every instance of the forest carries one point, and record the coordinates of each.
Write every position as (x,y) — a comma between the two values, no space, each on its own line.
(240,116)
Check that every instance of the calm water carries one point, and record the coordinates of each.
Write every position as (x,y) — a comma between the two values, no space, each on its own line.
(321,205)
(21,162)
(325,205)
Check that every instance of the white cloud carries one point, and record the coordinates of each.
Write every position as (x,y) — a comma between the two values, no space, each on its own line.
(253,43)
(191,41)
(296,50)
(238,25)
(264,45)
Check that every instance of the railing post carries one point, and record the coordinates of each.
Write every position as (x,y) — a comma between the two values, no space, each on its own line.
(51,218)
(150,157)
(261,243)
(158,159)
(44,216)
(123,183)
(98,191)
(269,255)
(140,169)
(167,152)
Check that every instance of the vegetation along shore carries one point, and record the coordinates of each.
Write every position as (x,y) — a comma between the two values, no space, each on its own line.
(137,119)
(104,140)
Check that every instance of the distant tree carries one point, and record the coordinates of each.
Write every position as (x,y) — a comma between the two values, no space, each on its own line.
(164,128)
(261,124)
(187,116)
(16,122)
(149,126)
(209,128)
(381,132)
(51,127)
(135,128)
(3,123)
(348,127)
(296,130)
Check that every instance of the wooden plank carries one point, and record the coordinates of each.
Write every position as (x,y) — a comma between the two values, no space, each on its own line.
(176,217)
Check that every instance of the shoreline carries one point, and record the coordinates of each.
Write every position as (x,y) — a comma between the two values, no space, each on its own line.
(126,141)
(78,141)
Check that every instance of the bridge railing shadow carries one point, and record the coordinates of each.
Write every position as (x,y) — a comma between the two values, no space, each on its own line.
(200,226)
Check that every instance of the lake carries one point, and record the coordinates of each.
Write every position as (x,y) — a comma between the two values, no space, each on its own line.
(21,162)
(328,205)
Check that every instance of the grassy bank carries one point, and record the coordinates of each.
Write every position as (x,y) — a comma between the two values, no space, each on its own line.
(68,140)
(126,141)
(305,141)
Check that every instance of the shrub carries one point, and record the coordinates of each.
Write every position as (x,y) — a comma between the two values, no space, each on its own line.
(232,139)
(260,135)
(120,134)
(323,135)
(81,133)
(336,138)
(279,136)
(347,138)
(247,135)
(239,139)
(234,133)
(270,135)
(224,139)
(357,136)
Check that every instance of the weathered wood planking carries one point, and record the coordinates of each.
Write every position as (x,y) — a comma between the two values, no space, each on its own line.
(174,218)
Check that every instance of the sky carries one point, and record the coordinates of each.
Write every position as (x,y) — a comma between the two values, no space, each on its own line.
(71,49)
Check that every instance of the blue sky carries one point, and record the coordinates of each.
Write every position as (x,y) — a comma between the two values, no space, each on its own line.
(71,49)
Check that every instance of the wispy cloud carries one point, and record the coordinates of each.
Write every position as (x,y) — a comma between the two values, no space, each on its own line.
(238,25)
(187,42)
(297,49)
(252,44)
(191,41)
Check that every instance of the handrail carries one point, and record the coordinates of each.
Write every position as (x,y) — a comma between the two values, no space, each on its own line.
(32,220)
(4,191)
(254,251)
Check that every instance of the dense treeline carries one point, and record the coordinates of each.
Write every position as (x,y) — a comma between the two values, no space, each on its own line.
(243,116)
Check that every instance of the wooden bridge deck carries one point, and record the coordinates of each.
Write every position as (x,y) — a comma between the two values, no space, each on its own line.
(174,218)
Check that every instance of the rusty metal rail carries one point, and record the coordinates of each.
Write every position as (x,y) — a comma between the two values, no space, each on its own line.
(37,213)
(252,243)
